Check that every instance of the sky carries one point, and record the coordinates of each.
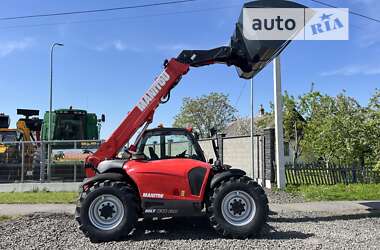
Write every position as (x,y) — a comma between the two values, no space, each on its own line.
(110,59)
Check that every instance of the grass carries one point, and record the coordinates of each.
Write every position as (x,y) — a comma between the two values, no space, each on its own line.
(38,197)
(3,218)
(337,192)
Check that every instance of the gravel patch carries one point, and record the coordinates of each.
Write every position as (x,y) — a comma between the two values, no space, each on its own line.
(285,230)
(280,197)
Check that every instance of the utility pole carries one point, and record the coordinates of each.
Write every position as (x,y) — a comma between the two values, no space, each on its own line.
(279,134)
(252,131)
(50,109)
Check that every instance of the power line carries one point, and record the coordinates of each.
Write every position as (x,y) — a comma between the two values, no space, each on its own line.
(95,10)
(120,18)
(241,93)
(351,12)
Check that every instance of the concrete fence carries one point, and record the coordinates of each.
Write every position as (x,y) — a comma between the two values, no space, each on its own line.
(237,150)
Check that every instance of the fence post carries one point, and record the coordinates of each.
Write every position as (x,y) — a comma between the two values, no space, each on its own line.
(354,176)
(220,145)
(49,161)
(42,162)
(269,156)
(75,165)
(262,174)
(22,160)
(280,161)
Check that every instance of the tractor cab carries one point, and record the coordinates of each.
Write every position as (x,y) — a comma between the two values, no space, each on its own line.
(169,143)
(72,124)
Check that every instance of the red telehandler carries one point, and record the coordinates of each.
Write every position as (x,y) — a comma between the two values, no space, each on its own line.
(167,174)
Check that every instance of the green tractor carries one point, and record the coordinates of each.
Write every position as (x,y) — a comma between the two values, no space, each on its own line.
(67,126)
(71,124)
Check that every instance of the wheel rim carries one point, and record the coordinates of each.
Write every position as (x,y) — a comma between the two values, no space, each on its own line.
(238,208)
(106,212)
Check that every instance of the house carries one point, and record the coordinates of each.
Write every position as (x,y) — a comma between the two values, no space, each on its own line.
(242,127)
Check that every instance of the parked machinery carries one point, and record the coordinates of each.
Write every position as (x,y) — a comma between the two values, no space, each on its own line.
(67,126)
(18,145)
(162,181)
(71,124)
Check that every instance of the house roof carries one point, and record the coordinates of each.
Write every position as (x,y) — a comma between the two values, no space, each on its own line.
(242,126)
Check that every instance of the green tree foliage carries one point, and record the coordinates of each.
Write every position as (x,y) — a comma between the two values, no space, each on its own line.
(337,128)
(373,128)
(206,112)
(294,125)
(318,127)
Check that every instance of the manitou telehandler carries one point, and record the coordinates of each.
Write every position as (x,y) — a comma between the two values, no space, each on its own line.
(167,174)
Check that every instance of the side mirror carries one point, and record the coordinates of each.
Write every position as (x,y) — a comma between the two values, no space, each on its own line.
(196,135)
(103,118)
(213,132)
(132,148)
(211,161)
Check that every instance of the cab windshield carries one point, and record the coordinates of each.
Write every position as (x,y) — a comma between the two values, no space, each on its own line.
(70,127)
(9,136)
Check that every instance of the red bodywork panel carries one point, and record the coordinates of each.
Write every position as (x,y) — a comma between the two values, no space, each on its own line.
(139,115)
(167,177)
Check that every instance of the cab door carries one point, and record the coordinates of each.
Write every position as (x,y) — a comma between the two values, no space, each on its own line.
(173,168)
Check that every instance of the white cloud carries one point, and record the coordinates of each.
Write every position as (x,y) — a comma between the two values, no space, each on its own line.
(351,70)
(118,45)
(8,47)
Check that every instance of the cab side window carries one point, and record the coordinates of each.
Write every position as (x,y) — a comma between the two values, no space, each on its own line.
(152,148)
(179,146)
(159,147)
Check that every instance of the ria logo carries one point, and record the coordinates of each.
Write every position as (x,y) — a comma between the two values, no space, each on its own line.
(284,24)
(152,92)
(328,23)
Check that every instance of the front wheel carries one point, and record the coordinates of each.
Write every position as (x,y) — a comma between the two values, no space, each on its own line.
(238,208)
(107,211)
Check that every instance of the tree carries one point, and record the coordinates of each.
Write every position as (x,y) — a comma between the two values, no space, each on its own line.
(294,125)
(336,128)
(206,112)
(373,128)
(242,126)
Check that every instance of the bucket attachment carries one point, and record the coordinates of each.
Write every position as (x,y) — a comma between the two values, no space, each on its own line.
(248,56)
(256,54)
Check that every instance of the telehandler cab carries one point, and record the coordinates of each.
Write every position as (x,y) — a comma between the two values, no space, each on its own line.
(167,174)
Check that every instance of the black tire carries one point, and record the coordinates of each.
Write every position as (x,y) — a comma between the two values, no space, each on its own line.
(121,191)
(254,222)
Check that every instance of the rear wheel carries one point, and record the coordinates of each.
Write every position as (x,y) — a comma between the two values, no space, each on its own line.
(238,208)
(107,211)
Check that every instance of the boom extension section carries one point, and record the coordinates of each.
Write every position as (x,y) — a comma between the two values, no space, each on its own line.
(248,56)
(143,112)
